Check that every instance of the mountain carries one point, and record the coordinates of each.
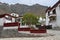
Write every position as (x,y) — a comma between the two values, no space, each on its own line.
(38,9)
(21,9)
(4,8)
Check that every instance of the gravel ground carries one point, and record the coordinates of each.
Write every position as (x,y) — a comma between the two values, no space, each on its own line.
(11,33)
(34,38)
(56,36)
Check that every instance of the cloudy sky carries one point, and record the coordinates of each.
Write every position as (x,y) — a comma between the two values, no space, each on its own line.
(31,2)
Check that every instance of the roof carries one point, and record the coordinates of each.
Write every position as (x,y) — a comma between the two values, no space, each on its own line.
(48,9)
(54,6)
(3,15)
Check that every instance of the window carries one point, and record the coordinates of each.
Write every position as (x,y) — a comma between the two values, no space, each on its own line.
(52,18)
(48,13)
(54,11)
(8,17)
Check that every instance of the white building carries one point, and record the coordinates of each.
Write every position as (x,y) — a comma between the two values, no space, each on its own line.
(8,18)
(53,15)
(9,21)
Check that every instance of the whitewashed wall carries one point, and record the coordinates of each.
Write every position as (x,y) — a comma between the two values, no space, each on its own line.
(13,19)
(24,26)
(7,21)
(54,24)
(58,15)
(11,27)
(57,22)
(1,21)
(47,19)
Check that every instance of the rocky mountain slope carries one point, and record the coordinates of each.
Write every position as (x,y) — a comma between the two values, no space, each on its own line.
(21,9)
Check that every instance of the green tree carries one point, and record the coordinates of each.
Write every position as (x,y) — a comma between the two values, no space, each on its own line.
(30,19)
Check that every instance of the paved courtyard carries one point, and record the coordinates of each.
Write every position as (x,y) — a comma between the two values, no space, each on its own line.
(56,36)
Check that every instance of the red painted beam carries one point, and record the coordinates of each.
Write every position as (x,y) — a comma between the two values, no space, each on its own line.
(32,31)
(23,29)
(11,24)
(2,16)
(38,31)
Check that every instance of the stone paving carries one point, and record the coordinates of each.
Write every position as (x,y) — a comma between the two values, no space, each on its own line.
(56,36)
(34,38)
(9,33)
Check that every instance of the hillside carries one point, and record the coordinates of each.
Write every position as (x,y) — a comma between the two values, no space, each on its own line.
(21,9)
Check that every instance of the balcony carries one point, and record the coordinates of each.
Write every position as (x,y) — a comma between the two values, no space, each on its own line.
(52,19)
(52,15)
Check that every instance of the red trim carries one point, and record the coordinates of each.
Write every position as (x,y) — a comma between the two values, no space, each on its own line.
(8,15)
(18,25)
(42,30)
(49,8)
(2,16)
(23,29)
(38,31)
(56,4)
(32,31)
(11,24)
